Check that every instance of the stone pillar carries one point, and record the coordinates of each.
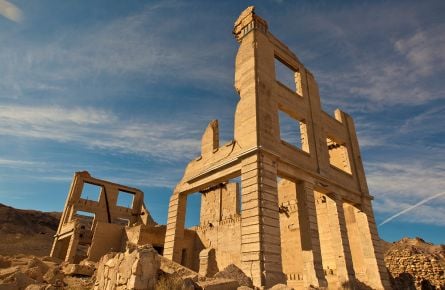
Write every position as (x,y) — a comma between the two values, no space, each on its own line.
(365,247)
(313,274)
(175,227)
(339,239)
(372,250)
(260,223)
(207,263)
(72,247)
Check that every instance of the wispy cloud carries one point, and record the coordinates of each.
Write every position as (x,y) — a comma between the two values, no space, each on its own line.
(16,163)
(399,186)
(141,45)
(100,129)
(424,50)
(10,11)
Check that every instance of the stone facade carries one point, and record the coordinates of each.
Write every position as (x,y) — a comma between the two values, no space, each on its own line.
(294,214)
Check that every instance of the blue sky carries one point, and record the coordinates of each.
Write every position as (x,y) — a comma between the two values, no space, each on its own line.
(124,89)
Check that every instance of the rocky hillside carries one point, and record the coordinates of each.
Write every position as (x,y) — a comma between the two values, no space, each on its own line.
(415,264)
(27,232)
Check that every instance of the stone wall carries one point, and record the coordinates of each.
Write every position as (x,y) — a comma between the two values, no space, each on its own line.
(225,238)
(414,267)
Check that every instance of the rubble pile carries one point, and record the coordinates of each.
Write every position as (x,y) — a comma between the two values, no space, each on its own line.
(22,272)
(415,264)
(136,268)
(235,273)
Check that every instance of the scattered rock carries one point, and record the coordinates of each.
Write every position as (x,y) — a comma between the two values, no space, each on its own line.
(19,280)
(4,262)
(78,269)
(218,284)
(281,287)
(53,276)
(415,264)
(36,287)
(234,273)
(188,284)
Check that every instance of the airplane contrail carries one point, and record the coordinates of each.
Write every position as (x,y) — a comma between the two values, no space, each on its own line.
(411,207)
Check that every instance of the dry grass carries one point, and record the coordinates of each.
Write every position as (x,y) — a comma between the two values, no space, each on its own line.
(169,282)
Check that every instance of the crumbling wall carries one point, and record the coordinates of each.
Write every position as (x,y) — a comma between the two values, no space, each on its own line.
(106,238)
(137,268)
(411,267)
(225,238)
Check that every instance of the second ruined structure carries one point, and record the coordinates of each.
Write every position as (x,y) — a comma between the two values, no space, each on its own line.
(283,208)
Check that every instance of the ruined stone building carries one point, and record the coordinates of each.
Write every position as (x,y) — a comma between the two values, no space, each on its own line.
(284,209)
(300,215)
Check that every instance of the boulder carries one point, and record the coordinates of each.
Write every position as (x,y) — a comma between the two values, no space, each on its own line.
(77,269)
(137,268)
(54,276)
(234,273)
(281,287)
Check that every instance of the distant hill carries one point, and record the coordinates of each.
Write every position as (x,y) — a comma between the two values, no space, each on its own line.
(28,232)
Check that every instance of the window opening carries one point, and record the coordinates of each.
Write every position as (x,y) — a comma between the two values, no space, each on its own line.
(192,212)
(338,155)
(288,77)
(125,199)
(293,131)
(91,191)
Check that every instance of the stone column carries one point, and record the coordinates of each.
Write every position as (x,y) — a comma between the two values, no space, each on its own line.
(371,247)
(310,241)
(175,227)
(339,239)
(260,224)
(72,247)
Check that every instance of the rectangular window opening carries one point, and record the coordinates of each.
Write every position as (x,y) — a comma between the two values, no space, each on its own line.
(85,214)
(192,211)
(338,155)
(85,218)
(238,200)
(288,77)
(91,192)
(125,199)
(293,131)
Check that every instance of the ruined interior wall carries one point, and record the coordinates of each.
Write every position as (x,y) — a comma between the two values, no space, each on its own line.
(219,203)
(225,238)
(353,232)
(210,206)
(107,238)
(152,235)
(220,226)
(190,256)
(324,230)
(291,253)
